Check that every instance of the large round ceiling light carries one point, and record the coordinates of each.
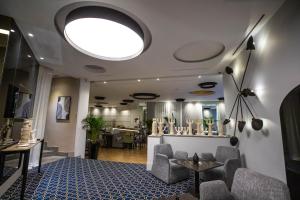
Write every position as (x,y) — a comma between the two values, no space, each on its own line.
(104,33)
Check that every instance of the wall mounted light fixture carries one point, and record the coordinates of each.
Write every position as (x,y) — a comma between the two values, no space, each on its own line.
(256,123)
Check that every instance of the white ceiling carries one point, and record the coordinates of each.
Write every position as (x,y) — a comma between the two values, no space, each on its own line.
(172,23)
(167,88)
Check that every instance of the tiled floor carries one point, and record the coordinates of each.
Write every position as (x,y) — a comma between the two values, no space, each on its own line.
(123,155)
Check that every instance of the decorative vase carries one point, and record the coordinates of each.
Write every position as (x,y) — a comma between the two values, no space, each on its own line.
(195,159)
(190,129)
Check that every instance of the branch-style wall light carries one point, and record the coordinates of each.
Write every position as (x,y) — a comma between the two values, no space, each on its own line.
(256,123)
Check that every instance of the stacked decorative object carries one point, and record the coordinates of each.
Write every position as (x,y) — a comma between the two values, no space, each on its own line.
(199,127)
(160,126)
(7,131)
(171,124)
(26,130)
(179,130)
(209,123)
(154,127)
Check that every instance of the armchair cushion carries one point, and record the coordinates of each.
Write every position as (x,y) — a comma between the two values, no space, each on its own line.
(214,190)
(165,149)
(208,156)
(223,153)
(181,155)
(230,167)
(249,185)
(213,174)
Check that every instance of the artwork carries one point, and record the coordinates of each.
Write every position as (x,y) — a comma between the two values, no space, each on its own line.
(63,108)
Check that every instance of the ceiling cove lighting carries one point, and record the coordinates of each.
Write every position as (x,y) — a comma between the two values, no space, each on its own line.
(3,31)
(104,33)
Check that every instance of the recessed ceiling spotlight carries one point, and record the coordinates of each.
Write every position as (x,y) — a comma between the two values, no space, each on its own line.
(158,79)
(12,30)
(30,35)
(104,33)
(199,76)
(99,98)
(139,80)
(29,56)
(42,58)
(104,82)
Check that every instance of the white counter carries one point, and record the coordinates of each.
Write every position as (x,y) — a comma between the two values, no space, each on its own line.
(189,143)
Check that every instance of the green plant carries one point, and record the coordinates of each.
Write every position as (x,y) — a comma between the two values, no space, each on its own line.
(93,125)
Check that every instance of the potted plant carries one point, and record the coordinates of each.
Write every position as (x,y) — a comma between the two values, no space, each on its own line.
(93,125)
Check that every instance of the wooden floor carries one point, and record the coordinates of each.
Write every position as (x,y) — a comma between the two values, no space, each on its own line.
(123,155)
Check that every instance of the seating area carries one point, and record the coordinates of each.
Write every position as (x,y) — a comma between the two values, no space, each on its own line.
(156,100)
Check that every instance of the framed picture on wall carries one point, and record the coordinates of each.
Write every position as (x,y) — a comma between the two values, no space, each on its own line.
(63,108)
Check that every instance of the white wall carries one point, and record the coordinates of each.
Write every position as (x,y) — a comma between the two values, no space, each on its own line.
(274,70)
(83,102)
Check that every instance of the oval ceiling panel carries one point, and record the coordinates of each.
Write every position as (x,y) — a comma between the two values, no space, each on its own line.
(199,51)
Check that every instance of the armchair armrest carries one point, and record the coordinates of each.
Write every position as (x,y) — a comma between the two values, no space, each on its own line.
(161,159)
(213,190)
(208,156)
(230,166)
(181,155)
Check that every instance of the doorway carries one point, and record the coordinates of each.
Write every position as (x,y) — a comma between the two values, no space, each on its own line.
(290,126)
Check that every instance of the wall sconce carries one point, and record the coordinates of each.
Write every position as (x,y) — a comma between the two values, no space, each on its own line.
(256,124)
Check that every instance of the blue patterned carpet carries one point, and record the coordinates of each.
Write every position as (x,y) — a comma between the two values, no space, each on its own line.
(76,178)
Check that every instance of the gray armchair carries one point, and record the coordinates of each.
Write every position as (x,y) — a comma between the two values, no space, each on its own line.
(230,156)
(247,185)
(163,167)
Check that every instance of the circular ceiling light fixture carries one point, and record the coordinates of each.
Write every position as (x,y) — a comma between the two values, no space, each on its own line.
(207,85)
(123,103)
(104,33)
(145,96)
(180,100)
(99,98)
(128,100)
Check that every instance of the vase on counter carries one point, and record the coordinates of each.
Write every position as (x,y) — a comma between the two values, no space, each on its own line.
(195,159)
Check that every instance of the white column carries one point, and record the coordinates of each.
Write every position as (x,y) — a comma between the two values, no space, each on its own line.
(82,112)
(42,93)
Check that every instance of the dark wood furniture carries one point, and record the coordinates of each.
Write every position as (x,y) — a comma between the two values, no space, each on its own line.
(202,166)
(25,154)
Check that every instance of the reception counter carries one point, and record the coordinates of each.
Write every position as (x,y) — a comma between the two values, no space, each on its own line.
(190,143)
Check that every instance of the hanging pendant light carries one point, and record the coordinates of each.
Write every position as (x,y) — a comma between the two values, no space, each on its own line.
(104,33)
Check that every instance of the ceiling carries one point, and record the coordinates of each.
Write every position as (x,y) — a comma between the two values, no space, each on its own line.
(172,23)
(168,88)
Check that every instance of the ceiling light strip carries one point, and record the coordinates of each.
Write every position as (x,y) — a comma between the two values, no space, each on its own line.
(249,33)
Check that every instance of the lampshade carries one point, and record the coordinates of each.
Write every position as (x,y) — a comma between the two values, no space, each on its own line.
(104,33)
(228,70)
(250,44)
